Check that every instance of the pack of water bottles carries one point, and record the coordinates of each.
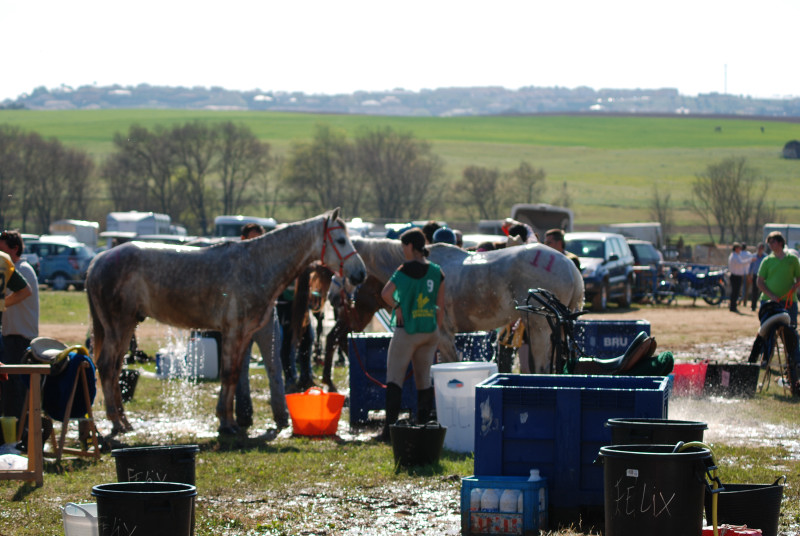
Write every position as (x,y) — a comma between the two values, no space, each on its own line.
(503,504)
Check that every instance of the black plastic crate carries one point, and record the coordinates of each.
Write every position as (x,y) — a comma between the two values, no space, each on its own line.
(731,379)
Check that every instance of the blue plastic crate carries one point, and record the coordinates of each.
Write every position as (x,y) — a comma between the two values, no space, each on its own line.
(556,423)
(607,338)
(531,520)
(367,356)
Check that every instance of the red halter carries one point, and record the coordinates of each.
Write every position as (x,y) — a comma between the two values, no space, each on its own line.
(328,238)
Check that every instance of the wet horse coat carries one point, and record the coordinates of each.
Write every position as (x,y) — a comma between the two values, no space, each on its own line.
(230,288)
(484,288)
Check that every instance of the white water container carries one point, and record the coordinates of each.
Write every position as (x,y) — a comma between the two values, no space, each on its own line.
(475,499)
(80,519)
(454,384)
(490,500)
(509,500)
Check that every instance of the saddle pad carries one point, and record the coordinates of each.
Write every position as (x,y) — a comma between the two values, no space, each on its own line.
(56,389)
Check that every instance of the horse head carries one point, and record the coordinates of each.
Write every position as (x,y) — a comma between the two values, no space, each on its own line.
(338,252)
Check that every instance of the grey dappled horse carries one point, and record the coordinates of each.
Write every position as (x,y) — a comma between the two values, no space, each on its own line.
(229,287)
(483,288)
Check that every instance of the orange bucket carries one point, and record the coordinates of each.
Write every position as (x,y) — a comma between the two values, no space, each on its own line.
(315,412)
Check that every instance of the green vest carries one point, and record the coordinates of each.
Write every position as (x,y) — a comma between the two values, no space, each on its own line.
(417,299)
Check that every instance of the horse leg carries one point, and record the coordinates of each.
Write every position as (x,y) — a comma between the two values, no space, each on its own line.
(331,342)
(110,350)
(539,345)
(233,348)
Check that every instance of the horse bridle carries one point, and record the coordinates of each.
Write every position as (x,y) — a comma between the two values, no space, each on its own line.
(328,238)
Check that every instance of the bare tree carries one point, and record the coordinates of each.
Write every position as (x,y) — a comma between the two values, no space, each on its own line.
(321,174)
(563,197)
(402,171)
(529,183)
(10,180)
(57,179)
(480,187)
(149,159)
(243,160)
(731,195)
(196,147)
(662,212)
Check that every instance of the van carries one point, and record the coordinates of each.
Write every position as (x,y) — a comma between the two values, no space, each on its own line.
(231,226)
(790,232)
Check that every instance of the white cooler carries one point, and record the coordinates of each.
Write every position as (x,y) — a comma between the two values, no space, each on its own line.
(454,385)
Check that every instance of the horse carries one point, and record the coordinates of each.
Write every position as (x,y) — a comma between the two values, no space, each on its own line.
(483,289)
(229,287)
(353,313)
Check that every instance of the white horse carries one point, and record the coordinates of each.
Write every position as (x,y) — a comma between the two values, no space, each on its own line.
(483,289)
(230,288)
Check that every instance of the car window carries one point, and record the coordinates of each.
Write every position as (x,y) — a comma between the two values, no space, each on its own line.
(613,247)
(585,248)
(644,253)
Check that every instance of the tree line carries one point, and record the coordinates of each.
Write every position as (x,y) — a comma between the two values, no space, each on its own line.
(198,170)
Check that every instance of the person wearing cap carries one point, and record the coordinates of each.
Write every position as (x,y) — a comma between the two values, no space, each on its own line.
(444,235)
(19,303)
(738,265)
(416,293)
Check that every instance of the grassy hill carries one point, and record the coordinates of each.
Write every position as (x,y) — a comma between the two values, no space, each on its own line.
(610,163)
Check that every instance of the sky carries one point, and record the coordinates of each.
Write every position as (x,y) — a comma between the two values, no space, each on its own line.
(331,47)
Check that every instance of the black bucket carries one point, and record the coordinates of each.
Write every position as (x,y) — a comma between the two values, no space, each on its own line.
(145,508)
(654,431)
(416,444)
(649,489)
(127,383)
(170,463)
(756,505)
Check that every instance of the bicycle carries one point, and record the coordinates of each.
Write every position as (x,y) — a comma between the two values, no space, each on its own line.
(777,337)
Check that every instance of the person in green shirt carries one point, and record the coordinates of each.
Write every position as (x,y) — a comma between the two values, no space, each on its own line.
(416,292)
(779,276)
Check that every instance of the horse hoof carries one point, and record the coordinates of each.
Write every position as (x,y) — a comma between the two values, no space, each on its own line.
(229,430)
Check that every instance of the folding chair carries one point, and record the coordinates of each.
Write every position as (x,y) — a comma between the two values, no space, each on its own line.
(70,368)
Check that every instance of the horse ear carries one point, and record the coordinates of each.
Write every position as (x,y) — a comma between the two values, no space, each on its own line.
(335,214)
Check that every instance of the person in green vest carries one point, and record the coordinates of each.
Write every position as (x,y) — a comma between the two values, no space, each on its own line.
(416,293)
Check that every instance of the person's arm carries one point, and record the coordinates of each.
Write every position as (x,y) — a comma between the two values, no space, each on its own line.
(762,286)
(387,294)
(18,296)
(440,306)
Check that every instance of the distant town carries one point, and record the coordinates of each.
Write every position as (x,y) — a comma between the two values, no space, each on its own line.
(442,102)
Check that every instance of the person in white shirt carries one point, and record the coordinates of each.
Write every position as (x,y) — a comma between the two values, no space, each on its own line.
(738,266)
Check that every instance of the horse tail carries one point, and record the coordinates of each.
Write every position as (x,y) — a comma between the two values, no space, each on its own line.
(97,334)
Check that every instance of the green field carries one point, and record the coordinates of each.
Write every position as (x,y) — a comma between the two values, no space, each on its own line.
(609,163)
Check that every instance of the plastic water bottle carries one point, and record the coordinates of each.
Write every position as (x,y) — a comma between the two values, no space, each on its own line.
(475,499)
(509,500)
(535,477)
(490,500)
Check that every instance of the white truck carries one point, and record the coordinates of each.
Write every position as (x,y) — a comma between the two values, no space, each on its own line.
(790,232)
(83,231)
(139,223)
(650,231)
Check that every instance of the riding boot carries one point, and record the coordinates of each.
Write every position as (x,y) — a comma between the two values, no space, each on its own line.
(425,407)
(394,398)
(755,352)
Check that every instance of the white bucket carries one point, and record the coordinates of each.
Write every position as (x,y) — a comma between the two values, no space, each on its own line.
(80,519)
(454,384)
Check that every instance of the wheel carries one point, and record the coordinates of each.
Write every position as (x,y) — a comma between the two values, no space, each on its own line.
(59,281)
(664,293)
(713,295)
(627,295)
(600,300)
